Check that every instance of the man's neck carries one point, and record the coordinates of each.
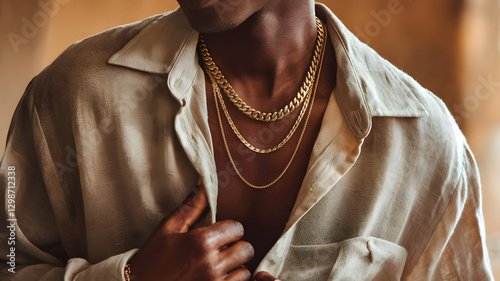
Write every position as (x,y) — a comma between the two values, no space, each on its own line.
(270,52)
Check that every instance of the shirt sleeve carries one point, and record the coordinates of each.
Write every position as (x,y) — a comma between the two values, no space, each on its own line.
(457,248)
(42,233)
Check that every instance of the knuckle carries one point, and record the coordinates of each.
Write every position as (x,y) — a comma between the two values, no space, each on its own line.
(201,240)
(163,224)
(246,274)
(209,266)
(161,232)
(204,237)
(170,224)
(243,274)
(170,227)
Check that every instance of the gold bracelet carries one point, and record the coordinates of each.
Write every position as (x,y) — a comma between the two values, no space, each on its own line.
(127,271)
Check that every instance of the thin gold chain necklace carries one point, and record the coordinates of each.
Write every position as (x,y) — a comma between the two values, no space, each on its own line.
(246,109)
(216,91)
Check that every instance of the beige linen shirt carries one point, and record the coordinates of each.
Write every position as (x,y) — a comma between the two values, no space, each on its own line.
(112,137)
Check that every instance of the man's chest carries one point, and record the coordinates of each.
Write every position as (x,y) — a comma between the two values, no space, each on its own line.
(264,212)
(260,188)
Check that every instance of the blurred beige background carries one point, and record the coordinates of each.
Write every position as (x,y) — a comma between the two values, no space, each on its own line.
(451,47)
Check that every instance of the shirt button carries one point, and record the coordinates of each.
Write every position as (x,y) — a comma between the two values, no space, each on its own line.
(178,83)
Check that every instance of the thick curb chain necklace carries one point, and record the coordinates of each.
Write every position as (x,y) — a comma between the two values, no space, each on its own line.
(246,109)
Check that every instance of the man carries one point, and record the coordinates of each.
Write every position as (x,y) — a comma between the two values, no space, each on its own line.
(363,174)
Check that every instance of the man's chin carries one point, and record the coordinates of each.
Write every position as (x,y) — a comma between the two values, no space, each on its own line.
(207,20)
(215,29)
(195,4)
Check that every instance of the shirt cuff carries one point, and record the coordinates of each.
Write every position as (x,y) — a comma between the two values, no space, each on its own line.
(110,269)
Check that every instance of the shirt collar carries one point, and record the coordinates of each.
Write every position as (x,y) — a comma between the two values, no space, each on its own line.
(367,85)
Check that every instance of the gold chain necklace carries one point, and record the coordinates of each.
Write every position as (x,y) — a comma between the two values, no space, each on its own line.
(247,143)
(246,109)
(216,91)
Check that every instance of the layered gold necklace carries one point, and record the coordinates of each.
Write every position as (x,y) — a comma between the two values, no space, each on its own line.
(305,94)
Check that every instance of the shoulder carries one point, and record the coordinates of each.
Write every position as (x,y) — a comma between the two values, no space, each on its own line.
(389,94)
(406,113)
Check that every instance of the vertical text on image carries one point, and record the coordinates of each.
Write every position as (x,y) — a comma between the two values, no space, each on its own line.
(11,218)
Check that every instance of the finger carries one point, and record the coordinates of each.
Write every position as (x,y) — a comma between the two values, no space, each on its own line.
(264,276)
(239,274)
(187,213)
(236,255)
(223,233)
(194,205)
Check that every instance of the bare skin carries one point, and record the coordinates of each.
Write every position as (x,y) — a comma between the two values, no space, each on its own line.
(263,47)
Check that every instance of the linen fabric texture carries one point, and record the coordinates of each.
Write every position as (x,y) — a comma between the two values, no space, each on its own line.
(113,136)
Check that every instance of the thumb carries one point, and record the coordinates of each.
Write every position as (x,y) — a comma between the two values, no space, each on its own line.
(188,212)
(264,276)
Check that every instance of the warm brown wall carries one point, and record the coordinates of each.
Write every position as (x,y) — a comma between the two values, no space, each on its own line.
(480,107)
(20,60)
(82,18)
(447,45)
(420,37)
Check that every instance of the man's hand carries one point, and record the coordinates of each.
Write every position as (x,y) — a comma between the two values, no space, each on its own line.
(173,252)
(264,276)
